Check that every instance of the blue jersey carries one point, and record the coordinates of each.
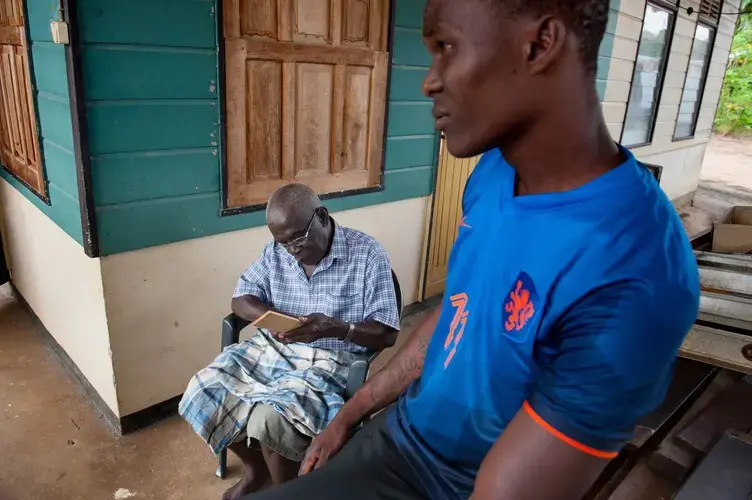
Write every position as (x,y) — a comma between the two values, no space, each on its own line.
(568,306)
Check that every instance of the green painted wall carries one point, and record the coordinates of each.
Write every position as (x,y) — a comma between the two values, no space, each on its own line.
(54,121)
(150,74)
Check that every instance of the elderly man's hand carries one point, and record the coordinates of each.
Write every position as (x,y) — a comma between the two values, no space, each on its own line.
(315,326)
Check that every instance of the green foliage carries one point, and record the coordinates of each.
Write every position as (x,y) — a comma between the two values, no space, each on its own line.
(735,107)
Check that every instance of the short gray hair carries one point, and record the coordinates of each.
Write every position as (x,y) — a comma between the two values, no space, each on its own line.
(292,202)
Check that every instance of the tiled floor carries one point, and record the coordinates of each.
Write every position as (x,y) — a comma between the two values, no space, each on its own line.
(54,445)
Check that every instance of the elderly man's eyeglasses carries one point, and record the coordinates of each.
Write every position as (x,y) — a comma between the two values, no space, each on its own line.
(296,244)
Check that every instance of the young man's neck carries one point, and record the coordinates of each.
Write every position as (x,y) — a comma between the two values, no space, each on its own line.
(564,150)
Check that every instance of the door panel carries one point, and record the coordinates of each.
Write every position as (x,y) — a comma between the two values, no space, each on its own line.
(447,216)
(306,95)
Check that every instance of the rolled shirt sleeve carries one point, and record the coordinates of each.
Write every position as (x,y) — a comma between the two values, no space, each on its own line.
(255,280)
(610,363)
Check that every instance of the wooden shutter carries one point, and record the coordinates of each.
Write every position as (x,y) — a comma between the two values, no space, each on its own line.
(710,11)
(19,138)
(306,94)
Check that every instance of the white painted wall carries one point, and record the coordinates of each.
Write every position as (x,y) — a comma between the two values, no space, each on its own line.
(682,160)
(62,285)
(165,304)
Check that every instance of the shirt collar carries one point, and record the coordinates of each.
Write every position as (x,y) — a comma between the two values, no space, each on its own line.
(338,250)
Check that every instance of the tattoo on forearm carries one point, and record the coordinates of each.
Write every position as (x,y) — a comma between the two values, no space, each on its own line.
(398,375)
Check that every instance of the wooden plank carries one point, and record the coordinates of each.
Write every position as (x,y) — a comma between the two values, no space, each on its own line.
(724,474)
(726,280)
(305,53)
(313,119)
(10,88)
(338,118)
(288,119)
(728,310)
(728,410)
(358,128)
(375,32)
(258,192)
(686,377)
(336,19)
(23,102)
(377,111)
(258,19)
(674,461)
(644,484)
(724,260)
(231,15)
(11,35)
(311,20)
(263,115)
(284,17)
(717,347)
(235,71)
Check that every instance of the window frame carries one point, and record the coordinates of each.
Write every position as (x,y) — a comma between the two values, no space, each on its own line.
(712,25)
(673,9)
(44,194)
(225,209)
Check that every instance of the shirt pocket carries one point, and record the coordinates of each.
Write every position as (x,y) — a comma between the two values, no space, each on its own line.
(347,308)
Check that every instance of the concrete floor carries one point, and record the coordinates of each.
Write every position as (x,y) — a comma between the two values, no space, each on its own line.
(55,445)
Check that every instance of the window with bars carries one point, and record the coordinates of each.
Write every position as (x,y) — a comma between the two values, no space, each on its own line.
(710,11)
(19,137)
(697,69)
(649,73)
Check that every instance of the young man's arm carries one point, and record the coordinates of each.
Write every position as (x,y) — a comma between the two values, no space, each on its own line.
(609,364)
(377,393)
(529,462)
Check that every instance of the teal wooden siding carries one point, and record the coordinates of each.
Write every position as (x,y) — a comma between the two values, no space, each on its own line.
(54,121)
(152,96)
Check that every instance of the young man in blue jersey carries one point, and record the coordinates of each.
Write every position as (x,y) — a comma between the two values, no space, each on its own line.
(570,287)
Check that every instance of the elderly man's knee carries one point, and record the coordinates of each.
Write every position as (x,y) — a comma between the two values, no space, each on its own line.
(272,429)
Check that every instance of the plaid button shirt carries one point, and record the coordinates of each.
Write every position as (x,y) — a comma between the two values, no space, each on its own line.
(352,283)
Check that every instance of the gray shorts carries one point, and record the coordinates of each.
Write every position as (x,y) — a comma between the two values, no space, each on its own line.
(272,429)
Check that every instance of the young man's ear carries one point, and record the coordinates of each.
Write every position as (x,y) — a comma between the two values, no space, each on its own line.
(546,41)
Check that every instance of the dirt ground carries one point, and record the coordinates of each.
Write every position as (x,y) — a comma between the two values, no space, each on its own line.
(726,177)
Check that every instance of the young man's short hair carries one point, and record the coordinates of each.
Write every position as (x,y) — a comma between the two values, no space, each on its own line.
(588,19)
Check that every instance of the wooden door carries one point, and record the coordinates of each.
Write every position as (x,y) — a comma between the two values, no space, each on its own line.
(306,94)
(19,138)
(447,216)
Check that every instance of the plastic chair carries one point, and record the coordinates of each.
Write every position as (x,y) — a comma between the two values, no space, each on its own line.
(233,325)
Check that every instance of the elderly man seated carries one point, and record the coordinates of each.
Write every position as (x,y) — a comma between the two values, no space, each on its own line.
(266,397)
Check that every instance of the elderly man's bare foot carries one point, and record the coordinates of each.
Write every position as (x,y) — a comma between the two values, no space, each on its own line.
(248,484)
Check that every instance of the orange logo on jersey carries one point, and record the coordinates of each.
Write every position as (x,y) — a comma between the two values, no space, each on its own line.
(464,223)
(519,307)
(457,326)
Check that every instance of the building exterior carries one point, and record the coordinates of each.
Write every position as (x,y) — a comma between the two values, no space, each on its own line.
(164,124)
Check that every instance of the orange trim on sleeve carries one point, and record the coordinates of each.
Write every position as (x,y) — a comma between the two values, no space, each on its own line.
(571,442)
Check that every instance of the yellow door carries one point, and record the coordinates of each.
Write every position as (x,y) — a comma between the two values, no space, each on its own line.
(447,216)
